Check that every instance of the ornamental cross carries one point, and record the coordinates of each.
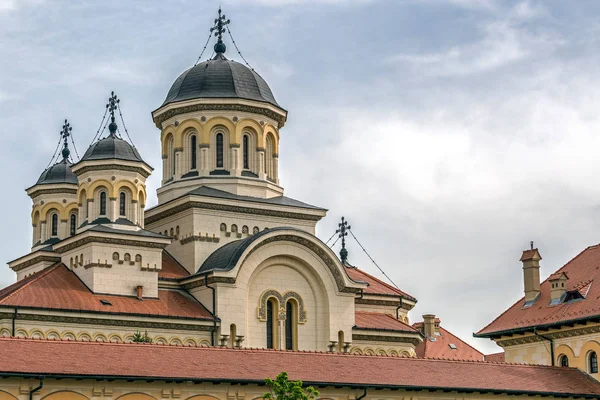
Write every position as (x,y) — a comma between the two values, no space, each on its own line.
(112,105)
(219,28)
(342,232)
(65,133)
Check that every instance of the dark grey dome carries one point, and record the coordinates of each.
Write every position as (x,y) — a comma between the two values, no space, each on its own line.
(220,78)
(58,173)
(112,147)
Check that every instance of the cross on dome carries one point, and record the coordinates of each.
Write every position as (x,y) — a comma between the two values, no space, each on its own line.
(65,133)
(112,105)
(219,30)
(342,230)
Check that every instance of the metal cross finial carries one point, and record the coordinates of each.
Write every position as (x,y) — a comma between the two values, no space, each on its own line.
(112,105)
(219,30)
(531,244)
(342,230)
(65,133)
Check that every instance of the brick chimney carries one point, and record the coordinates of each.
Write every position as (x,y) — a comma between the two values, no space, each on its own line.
(531,274)
(558,286)
(139,292)
(429,325)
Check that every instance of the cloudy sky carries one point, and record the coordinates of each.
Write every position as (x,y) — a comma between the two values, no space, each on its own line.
(449,132)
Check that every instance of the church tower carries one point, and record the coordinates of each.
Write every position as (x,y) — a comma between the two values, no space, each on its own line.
(220,131)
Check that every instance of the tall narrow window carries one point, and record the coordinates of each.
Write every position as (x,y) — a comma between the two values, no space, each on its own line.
(245,151)
(564,361)
(219,150)
(122,199)
(271,324)
(73,224)
(193,151)
(54,224)
(289,326)
(593,361)
(103,203)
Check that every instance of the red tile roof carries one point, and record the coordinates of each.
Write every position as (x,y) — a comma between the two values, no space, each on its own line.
(171,269)
(58,288)
(108,361)
(375,320)
(529,254)
(376,286)
(582,271)
(495,357)
(441,347)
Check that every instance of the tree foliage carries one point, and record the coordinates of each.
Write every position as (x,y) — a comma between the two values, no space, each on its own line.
(284,389)
(139,338)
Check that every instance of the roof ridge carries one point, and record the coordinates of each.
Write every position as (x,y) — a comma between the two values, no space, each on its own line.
(399,291)
(34,277)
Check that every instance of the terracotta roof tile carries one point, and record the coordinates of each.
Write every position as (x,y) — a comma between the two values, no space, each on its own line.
(440,348)
(582,271)
(495,357)
(375,320)
(376,286)
(81,359)
(529,254)
(171,269)
(57,287)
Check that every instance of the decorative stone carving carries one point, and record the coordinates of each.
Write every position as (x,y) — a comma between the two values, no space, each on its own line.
(282,299)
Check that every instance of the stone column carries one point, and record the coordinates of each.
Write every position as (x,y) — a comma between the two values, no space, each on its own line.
(261,163)
(178,162)
(63,228)
(165,165)
(276,168)
(43,232)
(135,212)
(92,213)
(111,212)
(141,221)
(204,160)
(235,160)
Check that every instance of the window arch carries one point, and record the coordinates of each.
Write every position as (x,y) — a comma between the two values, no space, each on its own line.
(102,203)
(122,204)
(291,325)
(563,361)
(219,140)
(272,334)
(73,224)
(245,151)
(593,363)
(193,149)
(54,224)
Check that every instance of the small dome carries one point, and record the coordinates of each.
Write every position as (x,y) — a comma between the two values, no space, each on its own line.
(220,78)
(58,173)
(112,147)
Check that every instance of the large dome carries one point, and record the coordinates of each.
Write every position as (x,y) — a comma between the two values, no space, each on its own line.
(57,174)
(112,147)
(220,78)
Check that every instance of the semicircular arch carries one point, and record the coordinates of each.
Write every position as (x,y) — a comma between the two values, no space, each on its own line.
(98,184)
(190,125)
(215,122)
(65,395)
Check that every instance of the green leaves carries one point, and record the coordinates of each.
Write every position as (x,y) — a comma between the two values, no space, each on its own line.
(284,389)
(139,338)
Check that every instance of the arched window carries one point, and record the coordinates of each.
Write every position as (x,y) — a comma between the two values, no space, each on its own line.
(73,224)
(291,325)
(219,150)
(272,342)
(593,363)
(193,151)
(122,199)
(245,152)
(54,224)
(563,361)
(103,203)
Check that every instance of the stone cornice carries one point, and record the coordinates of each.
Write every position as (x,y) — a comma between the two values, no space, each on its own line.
(222,207)
(40,192)
(200,281)
(108,240)
(585,330)
(59,319)
(199,238)
(158,120)
(118,167)
(395,339)
(35,260)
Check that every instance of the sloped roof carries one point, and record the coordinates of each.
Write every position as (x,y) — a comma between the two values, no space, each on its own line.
(376,286)
(157,362)
(380,321)
(58,288)
(440,348)
(171,269)
(583,272)
(495,357)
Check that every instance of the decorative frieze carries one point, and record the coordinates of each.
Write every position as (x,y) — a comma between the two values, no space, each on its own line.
(393,339)
(218,107)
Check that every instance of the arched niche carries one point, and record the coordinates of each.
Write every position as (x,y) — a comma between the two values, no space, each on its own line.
(6,396)
(136,396)
(204,397)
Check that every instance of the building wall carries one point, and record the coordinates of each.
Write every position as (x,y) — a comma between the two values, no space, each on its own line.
(575,343)
(68,389)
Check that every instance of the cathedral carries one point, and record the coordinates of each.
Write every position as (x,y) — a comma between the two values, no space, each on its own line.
(223,283)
